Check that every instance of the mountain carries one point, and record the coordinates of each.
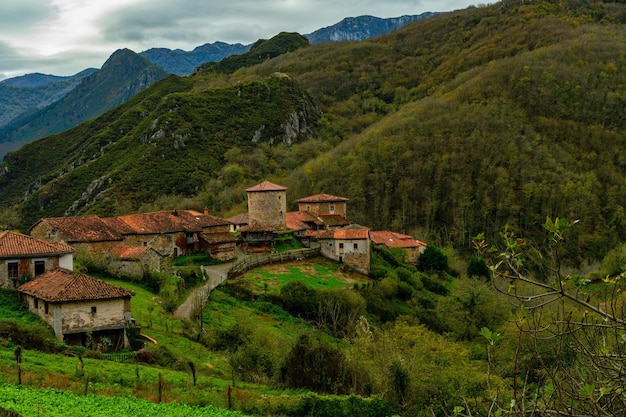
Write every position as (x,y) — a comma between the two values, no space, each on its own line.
(459,124)
(362,27)
(260,51)
(185,62)
(123,75)
(33,80)
(32,91)
(352,28)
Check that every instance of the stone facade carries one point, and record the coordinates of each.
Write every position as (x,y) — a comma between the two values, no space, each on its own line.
(267,206)
(324,204)
(80,309)
(348,246)
(22,256)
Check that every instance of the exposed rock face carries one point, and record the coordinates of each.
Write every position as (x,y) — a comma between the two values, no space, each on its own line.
(362,27)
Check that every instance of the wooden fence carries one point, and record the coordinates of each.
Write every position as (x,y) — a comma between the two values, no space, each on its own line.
(255,261)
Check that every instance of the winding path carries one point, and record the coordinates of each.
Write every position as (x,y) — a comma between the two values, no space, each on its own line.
(217,274)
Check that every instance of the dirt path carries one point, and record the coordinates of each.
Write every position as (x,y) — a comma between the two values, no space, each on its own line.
(217,274)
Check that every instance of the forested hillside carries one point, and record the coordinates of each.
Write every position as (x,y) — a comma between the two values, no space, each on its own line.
(450,126)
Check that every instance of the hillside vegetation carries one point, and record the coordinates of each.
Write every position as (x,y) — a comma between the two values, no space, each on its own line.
(450,126)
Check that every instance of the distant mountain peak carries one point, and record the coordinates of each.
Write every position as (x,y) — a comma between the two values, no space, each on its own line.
(362,27)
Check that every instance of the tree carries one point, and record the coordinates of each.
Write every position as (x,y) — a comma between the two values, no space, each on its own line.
(433,260)
(587,330)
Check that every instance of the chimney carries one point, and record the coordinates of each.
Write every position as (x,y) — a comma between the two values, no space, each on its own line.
(206,211)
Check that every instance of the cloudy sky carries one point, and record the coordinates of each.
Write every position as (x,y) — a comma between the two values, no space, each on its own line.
(63,37)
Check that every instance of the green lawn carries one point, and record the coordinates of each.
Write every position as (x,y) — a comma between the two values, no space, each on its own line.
(318,273)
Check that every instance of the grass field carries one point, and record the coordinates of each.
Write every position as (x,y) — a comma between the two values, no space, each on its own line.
(319,274)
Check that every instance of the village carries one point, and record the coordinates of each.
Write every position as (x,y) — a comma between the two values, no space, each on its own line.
(86,311)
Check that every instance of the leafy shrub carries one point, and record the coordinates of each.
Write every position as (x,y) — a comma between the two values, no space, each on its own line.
(433,260)
(433,285)
(37,337)
(314,364)
(478,268)
(299,299)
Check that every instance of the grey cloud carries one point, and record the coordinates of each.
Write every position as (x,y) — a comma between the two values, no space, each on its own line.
(21,15)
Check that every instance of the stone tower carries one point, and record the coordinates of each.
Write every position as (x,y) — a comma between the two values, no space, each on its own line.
(267,205)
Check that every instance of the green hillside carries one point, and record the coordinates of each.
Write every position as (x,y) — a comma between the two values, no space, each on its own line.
(451,126)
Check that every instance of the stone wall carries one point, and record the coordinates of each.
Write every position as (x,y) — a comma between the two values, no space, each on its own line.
(268,209)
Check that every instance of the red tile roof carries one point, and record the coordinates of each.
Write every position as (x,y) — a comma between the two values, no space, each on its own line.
(301,220)
(344,234)
(322,198)
(170,221)
(130,252)
(242,218)
(266,186)
(224,237)
(61,285)
(82,229)
(15,245)
(394,240)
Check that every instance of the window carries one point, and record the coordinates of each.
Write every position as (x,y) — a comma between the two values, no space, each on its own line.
(144,244)
(13,270)
(356,246)
(341,246)
(93,309)
(40,267)
(45,307)
(280,215)
(332,209)
(36,303)
(308,207)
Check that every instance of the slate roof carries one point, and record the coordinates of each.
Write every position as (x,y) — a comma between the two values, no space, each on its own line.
(83,229)
(17,245)
(266,186)
(394,240)
(322,198)
(61,285)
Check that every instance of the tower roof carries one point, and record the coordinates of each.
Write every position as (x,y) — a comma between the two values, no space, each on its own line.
(266,186)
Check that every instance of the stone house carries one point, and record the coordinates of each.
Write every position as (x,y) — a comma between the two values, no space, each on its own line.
(80,309)
(26,256)
(350,246)
(412,248)
(324,205)
(132,261)
(89,233)
(169,232)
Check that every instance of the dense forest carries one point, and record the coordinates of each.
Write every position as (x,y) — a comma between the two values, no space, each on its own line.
(458,124)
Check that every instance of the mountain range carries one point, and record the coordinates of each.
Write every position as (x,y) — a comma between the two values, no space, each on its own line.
(22,99)
(466,122)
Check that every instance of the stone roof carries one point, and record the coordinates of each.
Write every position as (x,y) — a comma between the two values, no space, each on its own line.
(61,285)
(394,240)
(322,198)
(333,220)
(266,186)
(17,245)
